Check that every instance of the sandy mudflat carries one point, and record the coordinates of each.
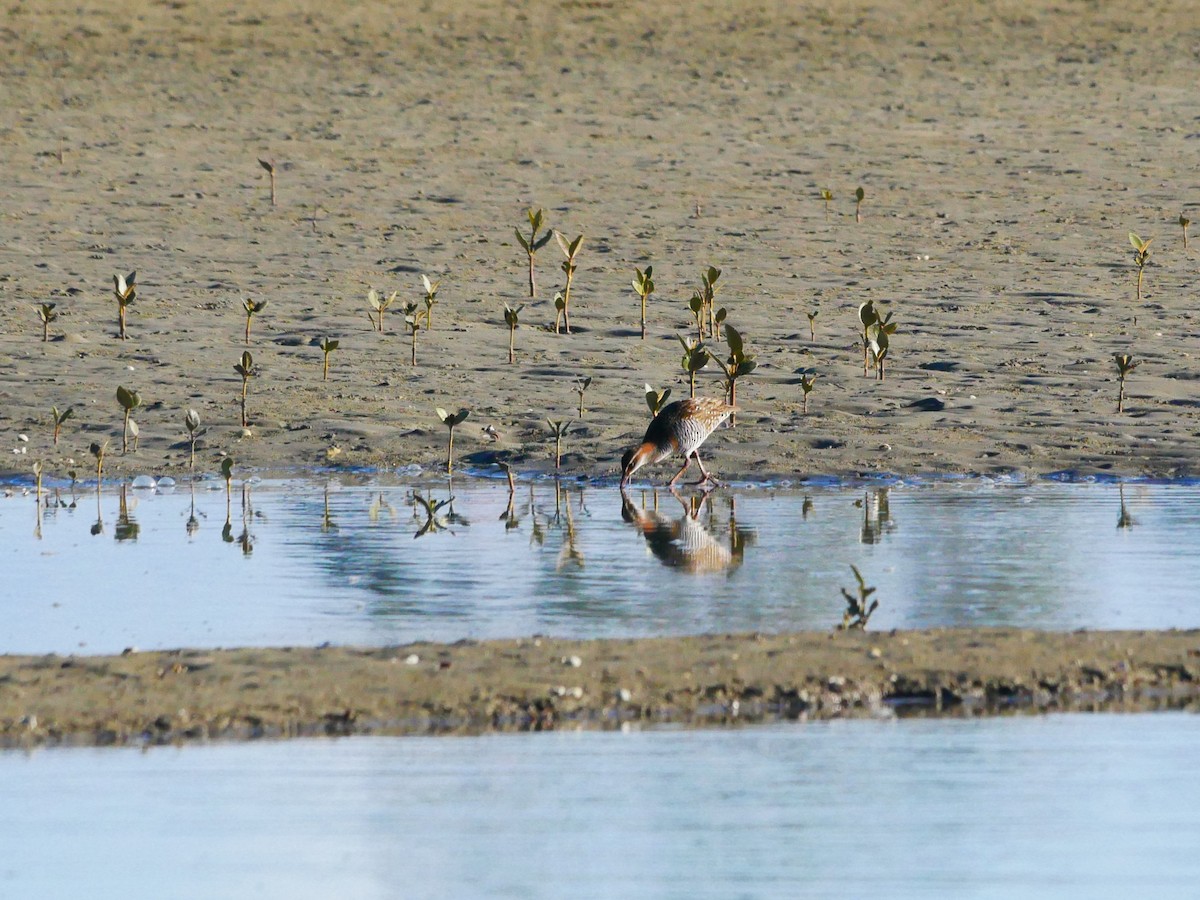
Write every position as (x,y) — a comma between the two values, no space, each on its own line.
(1006,151)
(545,683)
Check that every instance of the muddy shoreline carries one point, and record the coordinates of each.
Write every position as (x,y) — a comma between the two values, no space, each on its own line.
(544,683)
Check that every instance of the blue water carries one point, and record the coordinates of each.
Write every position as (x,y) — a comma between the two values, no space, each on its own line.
(1053,806)
(306,562)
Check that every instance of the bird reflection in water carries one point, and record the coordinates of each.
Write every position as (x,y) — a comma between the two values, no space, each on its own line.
(688,543)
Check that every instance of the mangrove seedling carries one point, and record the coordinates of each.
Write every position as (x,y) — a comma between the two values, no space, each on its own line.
(696,305)
(327,347)
(47,314)
(58,418)
(827,196)
(570,250)
(866,318)
(656,400)
(413,314)
(859,194)
(227,474)
(129,400)
(1141,256)
(450,420)
(878,336)
(858,611)
(125,289)
(379,304)
(708,293)
(191,421)
(643,286)
(431,289)
(812,325)
(98,450)
(695,358)
(511,319)
(246,369)
(251,309)
(1184,222)
(1125,364)
(580,386)
(558,430)
(532,244)
(738,364)
(806,385)
(269,165)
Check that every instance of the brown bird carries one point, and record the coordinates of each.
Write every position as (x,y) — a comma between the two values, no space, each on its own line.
(681,427)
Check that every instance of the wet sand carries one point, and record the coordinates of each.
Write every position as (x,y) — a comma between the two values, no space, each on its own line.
(542,683)
(1006,150)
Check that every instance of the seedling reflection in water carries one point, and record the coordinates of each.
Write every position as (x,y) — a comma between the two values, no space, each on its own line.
(450,421)
(1141,256)
(129,400)
(247,370)
(532,244)
(512,319)
(643,286)
(58,418)
(1125,364)
(327,347)
(434,521)
(47,314)
(125,289)
(858,611)
(251,309)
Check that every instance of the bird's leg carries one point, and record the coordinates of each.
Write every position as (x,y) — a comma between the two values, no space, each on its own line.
(687,461)
(704,476)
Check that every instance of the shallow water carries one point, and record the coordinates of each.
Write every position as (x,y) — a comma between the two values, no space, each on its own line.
(306,562)
(1052,806)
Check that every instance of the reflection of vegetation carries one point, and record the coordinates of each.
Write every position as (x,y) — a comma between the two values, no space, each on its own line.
(858,611)
(193,524)
(432,509)
(877,516)
(127,528)
(1124,520)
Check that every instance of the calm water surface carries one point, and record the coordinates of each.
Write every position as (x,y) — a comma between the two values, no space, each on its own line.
(306,562)
(1090,806)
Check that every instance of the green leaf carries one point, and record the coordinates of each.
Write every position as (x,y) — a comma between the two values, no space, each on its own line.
(128,399)
(867,314)
(734,339)
(442,414)
(859,194)
(521,239)
(1135,241)
(574,246)
(721,315)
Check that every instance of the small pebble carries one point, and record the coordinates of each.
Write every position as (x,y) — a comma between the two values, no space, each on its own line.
(875,653)
(573,661)
(624,695)
(23,438)
(412,659)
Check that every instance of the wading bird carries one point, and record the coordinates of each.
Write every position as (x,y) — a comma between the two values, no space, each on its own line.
(680,428)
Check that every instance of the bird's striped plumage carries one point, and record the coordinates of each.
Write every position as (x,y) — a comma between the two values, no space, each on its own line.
(679,428)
